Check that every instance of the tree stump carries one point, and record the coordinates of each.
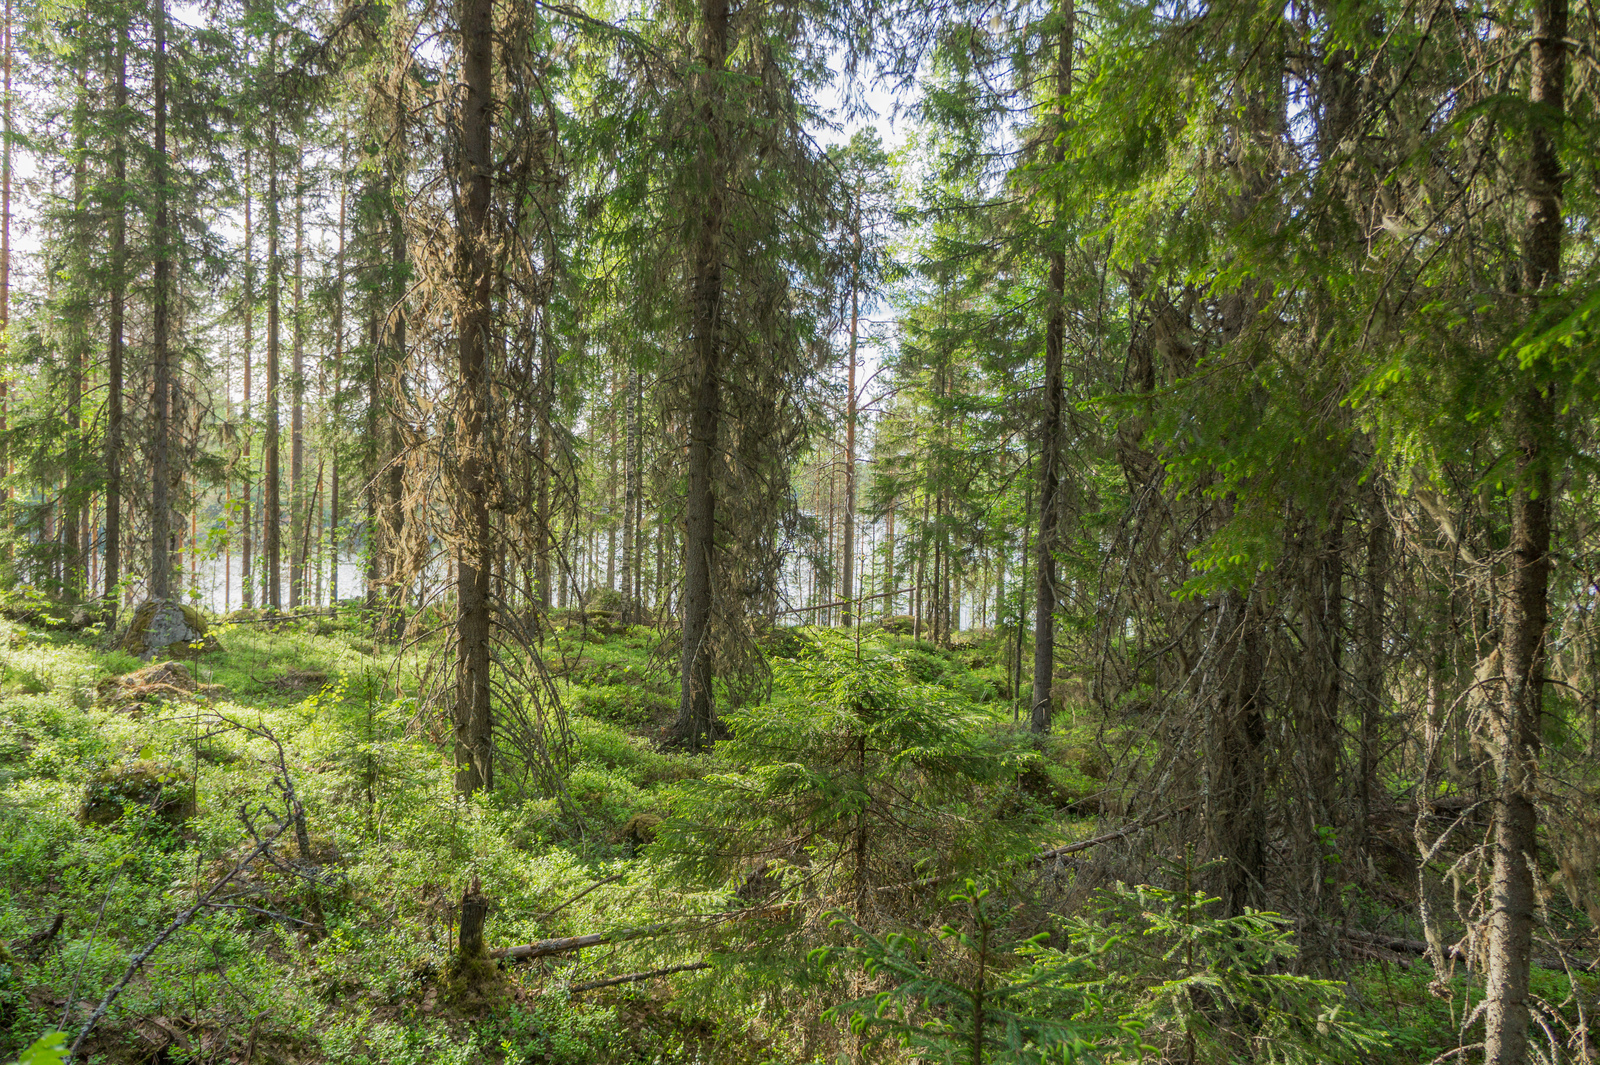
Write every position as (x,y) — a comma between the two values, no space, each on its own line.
(474,911)
(475,981)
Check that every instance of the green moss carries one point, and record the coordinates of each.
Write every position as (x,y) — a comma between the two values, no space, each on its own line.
(166,791)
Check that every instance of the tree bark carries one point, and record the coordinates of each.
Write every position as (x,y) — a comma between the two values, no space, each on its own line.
(1370,657)
(696,709)
(338,383)
(1046,598)
(470,945)
(160,332)
(5,244)
(474,750)
(73,498)
(272,503)
(543,535)
(246,591)
(298,515)
(374,459)
(1238,813)
(115,325)
(1517,718)
(632,578)
(848,568)
(393,492)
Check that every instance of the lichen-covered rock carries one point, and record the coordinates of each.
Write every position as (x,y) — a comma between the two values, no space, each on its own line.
(162,789)
(165,626)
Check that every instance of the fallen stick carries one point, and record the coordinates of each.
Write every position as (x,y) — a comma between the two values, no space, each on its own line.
(634,978)
(1083,845)
(541,948)
(613,878)
(154,945)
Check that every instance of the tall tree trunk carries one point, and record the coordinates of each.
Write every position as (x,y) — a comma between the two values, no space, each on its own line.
(848,568)
(1238,812)
(394,478)
(1319,735)
(160,332)
(78,354)
(5,246)
(474,750)
(272,503)
(696,710)
(1370,656)
(632,578)
(338,383)
(246,591)
(298,516)
(1045,597)
(115,325)
(544,536)
(374,459)
(1517,719)
(891,573)
(611,496)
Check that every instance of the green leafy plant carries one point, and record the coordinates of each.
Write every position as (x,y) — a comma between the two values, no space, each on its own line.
(48,1049)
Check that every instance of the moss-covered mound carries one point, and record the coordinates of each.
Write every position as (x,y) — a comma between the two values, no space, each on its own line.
(164,790)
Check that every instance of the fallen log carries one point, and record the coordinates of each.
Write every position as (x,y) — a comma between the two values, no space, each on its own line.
(1401,945)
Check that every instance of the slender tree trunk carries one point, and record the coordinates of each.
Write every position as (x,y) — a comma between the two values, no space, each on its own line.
(919,580)
(631,577)
(1518,718)
(338,383)
(160,332)
(115,324)
(5,248)
(394,480)
(246,591)
(272,504)
(696,709)
(611,499)
(1046,598)
(891,580)
(473,722)
(1238,814)
(1370,656)
(298,516)
(75,531)
(543,535)
(1319,735)
(848,569)
(374,455)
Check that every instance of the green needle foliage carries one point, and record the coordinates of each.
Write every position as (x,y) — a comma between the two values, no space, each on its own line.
(1147,971)
(967,998)
(855,775)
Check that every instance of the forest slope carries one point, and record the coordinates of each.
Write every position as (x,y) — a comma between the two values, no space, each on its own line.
(850,807)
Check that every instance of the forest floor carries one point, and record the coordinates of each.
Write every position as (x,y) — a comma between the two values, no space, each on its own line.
(127,794)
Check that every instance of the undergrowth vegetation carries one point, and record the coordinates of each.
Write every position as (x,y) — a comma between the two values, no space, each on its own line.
(855,873)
